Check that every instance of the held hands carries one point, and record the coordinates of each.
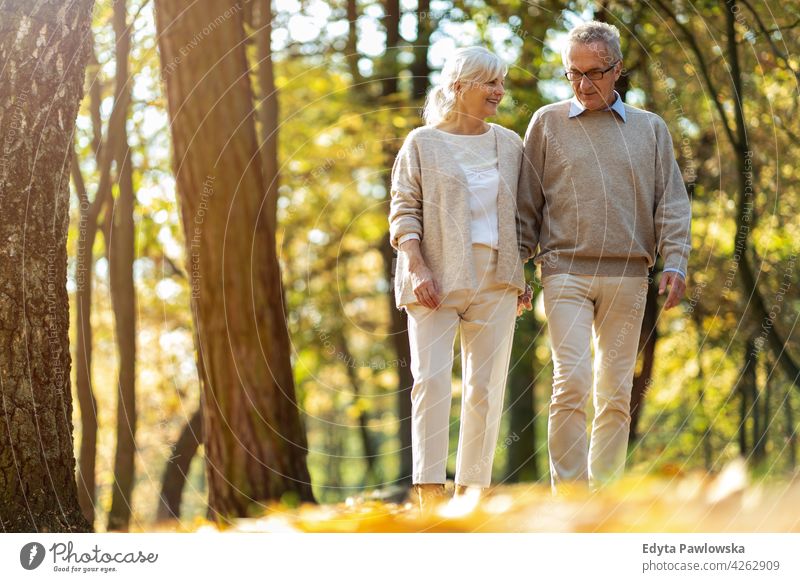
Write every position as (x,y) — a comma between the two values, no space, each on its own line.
(524,300)
(677,287)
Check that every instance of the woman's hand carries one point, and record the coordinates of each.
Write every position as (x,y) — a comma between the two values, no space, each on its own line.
(524,301)
(425,288)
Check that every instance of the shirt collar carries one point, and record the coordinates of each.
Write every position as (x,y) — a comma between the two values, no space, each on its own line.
(575,107)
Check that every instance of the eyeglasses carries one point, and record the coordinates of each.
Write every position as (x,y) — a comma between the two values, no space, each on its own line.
(591,75)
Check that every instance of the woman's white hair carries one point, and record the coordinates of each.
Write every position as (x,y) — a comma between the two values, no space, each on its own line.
(470,64)
(592,32)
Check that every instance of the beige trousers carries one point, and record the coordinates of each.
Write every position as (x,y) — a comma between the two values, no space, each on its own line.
(609,312)
(485,317)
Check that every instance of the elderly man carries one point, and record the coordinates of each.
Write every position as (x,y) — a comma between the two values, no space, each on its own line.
(599,192)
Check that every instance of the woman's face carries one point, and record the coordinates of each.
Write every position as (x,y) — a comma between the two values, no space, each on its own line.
(479,100)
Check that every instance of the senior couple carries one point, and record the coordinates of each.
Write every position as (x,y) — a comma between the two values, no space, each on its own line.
(595,187)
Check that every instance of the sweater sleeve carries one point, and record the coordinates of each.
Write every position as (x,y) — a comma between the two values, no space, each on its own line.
(530,191)
(405,209)
(673,210)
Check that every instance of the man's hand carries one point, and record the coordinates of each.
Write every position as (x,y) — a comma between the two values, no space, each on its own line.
(524,300)
(677,287)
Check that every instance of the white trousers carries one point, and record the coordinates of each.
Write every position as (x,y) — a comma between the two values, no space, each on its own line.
(485,317)
(608,311)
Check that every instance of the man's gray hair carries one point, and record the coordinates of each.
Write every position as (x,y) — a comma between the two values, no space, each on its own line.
(591,32)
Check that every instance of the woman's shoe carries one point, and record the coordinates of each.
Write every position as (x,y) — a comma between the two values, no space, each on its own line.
(470,491)
(428,496)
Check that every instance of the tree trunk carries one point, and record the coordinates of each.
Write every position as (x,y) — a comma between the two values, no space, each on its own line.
(255,445)
(120,247)
(761,412)
(705,436)
(44,53)
(184,450)
(648,338)
(268,112)
(351,48)
(398,327)
(748,405)
(88,227)
(372,472)
(791,430)
(84,268)
(420,69)
(389,63)
(523,450)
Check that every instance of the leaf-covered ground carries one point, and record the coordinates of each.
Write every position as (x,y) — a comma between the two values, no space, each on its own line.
(726,502)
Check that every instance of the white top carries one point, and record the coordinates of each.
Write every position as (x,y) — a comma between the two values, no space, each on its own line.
(477,156)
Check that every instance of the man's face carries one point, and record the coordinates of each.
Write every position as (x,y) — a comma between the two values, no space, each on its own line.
(593,95)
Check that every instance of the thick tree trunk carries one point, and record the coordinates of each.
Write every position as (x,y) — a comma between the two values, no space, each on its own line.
(44,50)
(184,450)
(123,295)
(255,444)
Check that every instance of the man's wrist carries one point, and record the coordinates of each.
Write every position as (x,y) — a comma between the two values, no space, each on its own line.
(675,270)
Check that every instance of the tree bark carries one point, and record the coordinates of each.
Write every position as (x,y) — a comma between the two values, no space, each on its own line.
(268,112)
(44,50)
(255,444)
(184,450)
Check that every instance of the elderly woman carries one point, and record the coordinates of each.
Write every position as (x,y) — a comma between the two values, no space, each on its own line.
(453,219)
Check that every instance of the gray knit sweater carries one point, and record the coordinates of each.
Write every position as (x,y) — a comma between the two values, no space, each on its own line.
(599,196)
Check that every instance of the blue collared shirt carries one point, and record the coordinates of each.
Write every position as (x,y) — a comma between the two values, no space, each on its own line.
(618,107)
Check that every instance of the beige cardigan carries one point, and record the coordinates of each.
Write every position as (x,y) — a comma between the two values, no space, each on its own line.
(430,197)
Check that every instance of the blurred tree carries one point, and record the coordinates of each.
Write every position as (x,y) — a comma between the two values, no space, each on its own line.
(254,441)
(118,230)
(183,451)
